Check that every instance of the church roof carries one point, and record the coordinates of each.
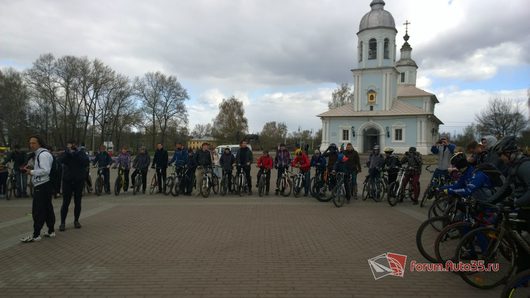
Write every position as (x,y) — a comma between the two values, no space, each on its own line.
(413,91)
(399,108)
(378,17)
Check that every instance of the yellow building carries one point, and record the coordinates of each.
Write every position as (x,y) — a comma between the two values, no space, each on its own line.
(197,143)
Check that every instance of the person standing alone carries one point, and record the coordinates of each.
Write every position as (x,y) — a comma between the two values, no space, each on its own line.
(42,208)
(75,163)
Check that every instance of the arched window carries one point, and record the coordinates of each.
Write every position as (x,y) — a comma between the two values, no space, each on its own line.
(372,49)
(360,51)
(386,51)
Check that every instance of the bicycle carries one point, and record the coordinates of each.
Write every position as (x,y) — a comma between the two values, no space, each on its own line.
(137,183)
(88,183)
(225,185)
(207,184)
(339,192)
(298,183)
(396,192)
(493,245)
(98,186)
(431,191)
(170,183)
(263,181)
(374,188)
(241,181)
(318,187)
(154,184)
(119,183)
(285,186)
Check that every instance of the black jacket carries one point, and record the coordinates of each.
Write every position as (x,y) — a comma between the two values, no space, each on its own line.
(161,158)
(75,163)
(18,158)
(142,161)
(203,158)
(227,161)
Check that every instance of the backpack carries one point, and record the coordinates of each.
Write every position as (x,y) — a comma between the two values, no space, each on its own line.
(492,172)
(54,172)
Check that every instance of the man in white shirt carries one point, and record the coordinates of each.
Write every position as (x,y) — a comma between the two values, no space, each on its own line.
(42,209)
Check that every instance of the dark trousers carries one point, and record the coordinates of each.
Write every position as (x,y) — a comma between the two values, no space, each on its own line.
(267,178)
(246,170)
(392,175)
(76,188)
(161,174)
(42,209)
(22,182)
(3,183)
(189,178)
(106,179)
(143,172)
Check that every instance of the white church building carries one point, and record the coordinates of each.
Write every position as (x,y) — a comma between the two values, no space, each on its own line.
(388,109)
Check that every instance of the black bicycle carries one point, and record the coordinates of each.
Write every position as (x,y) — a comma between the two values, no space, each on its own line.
(262,183)
(339,192)
(319,186)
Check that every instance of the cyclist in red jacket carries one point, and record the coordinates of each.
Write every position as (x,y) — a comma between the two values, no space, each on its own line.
(301,161)
(265,163)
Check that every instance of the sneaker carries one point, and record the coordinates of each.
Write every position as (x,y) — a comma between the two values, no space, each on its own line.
(49,235)
(29,239)
(77,225)
(62,228)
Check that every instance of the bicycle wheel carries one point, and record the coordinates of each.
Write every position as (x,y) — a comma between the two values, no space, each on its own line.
(9,188)
(448,239)
(261,185)
(518,286)
(205,188)
(154,185)
(339,196)
(98,187)
(440,206)
(364,194)
(170,181)
(215,184)
(379,191)
(296,187)
(137,184)
(286,187)
(224,186)
(426,236)
(175,190)
(117,186)
(392,196)
(484,244)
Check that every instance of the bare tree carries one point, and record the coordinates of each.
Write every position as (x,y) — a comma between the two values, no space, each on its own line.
(501,118)
(202,130)
(341,96)
(163,100)
(14,105)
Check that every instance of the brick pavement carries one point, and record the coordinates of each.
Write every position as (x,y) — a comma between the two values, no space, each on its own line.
(218,247)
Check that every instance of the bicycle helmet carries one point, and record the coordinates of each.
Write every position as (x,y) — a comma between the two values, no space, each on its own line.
(317,151)
(388,150)
(459,160)
(412,149)
(376,148)
(506,145)
(333,147)
(298,152)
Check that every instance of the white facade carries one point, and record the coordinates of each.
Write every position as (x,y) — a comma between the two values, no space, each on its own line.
(388,109)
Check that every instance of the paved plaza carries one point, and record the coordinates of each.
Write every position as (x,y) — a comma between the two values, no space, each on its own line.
(218,247)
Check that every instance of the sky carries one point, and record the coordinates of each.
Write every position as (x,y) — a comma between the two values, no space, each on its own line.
(282,58)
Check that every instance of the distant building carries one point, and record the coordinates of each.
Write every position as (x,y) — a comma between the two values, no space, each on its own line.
(388,109)
(196,143)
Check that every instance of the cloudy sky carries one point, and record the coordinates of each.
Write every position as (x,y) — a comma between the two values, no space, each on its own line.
(283,58)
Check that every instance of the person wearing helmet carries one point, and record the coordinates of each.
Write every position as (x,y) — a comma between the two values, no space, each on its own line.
(265,163)
(301,161)
(517,185)
(281,163)
(353,167)
(473,181)
(375,164)
(331,154)
(391,164)
(226,161)
(319,163)
(414,163)
(244,159)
